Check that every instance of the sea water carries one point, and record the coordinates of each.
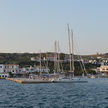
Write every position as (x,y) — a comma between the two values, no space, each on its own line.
(93,94)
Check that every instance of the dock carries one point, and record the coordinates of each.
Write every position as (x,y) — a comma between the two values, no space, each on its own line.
(28,81)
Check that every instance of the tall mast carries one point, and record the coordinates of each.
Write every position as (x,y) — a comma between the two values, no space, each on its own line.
(58,58)
(55,57)
(69,48)
(73,68)
(47,62)
(40,64)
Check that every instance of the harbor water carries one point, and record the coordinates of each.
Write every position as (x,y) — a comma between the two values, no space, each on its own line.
(93,94)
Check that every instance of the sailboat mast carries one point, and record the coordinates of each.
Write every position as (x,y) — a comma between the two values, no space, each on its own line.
(73,68)
(58,58)
(69,48)
(55,57)
(47,62)
(40,64)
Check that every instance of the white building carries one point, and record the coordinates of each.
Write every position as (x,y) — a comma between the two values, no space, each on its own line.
(35,59)
(2,68)
(27,69)
(6,68)
(13,68)
(34,69)
(103,69)
(93,61)
(3,74)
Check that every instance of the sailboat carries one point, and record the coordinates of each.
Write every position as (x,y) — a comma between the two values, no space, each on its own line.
(71,78)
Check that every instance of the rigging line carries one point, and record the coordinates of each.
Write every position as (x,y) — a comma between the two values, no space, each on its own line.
(80,58)
(80,62)
(60,63)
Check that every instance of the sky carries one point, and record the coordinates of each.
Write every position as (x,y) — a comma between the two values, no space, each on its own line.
(34,25)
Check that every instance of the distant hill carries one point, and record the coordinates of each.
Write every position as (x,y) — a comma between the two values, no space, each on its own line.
(26,57)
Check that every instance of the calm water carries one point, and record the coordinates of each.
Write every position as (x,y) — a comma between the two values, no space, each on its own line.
(87,95)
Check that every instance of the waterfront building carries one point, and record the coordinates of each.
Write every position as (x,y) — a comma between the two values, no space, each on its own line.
(5,69)
(2,68)
(13,68)
(27,69)
(93,61)
(103,69)
(3,74)
(16,71)
(31,69)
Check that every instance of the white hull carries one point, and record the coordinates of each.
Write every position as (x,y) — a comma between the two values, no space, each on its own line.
(70,80)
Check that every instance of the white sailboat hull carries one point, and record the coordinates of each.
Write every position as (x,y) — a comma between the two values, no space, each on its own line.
(70,80)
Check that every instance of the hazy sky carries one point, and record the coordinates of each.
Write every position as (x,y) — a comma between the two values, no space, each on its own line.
(31,25)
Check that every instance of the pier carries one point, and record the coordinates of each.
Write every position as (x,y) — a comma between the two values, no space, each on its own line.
(28,81)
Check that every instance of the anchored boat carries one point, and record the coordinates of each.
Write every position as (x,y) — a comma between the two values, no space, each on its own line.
(71,78)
